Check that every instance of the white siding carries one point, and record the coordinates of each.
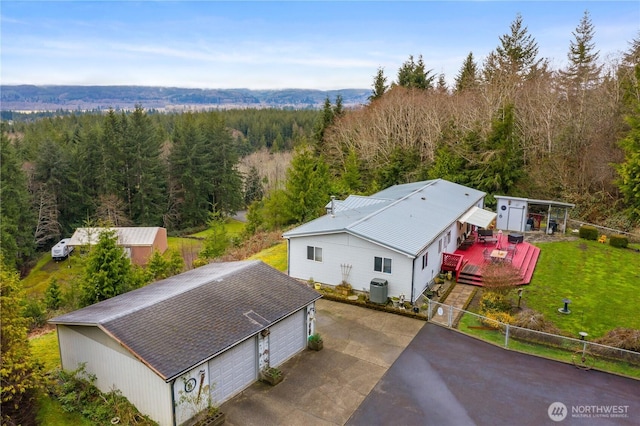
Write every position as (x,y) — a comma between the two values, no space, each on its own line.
(115,368)
(191,393)
(287,338)
(233,370)
(338,249)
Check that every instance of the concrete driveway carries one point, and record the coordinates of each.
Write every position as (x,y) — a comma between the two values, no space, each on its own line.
(326,387)
(383,369)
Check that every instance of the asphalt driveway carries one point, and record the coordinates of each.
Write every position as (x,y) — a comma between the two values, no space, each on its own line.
(383,369)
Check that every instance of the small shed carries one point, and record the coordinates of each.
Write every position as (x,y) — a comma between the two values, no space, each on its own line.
(200,336)
(139,242)
(526,214)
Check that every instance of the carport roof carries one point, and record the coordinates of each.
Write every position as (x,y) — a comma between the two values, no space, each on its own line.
(177,323)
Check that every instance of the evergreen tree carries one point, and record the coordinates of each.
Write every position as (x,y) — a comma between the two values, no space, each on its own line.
(351,176)
(467,78)
(226,180)
(253,189)
(325,120)
(441,85)
(53,295)
(629,171)
(19,374)
(191,181)
(414,75)
(17,222)
(217,241)
(516,58)
(583,71)
(145,174)
(379,85)
(108,271)
(307,186)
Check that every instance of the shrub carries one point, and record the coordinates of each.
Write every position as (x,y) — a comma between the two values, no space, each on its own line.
(588,232)
(77,392)
(494,302)
(316,337)
(623,338)
(619,241)
(533,320)
(497,319)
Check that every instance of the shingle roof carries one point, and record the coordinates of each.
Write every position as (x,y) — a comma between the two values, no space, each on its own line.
(409,218)
(127,236)
(177,323)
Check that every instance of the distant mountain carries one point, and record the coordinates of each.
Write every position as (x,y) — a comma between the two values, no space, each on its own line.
(38,98)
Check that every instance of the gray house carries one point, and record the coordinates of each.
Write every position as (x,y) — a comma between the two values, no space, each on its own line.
(174,345)
(397,235)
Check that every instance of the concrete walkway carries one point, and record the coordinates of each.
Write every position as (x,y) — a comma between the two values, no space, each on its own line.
(458,299)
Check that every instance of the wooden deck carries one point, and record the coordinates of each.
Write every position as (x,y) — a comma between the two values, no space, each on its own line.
(525,260)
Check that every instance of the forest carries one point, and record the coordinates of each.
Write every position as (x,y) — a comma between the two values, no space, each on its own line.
(510,125)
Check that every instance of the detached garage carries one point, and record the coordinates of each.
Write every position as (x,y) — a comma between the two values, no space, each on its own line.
(173,345)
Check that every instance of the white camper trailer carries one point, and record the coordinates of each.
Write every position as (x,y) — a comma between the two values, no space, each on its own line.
(61,250)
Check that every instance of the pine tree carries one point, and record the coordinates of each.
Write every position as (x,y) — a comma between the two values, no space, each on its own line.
(53,295)
(145,174)
(415,75)
(583,71)
(467,78)
(516,58)
(379,85)
(108,272)
(19,374)
(307,186)
(17,222)
(253,189)
(629,171)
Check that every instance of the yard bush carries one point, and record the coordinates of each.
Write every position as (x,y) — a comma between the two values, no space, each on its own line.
(77,392)
(497,319)
(588,232)
(492,302)
(623,338)
(619,241)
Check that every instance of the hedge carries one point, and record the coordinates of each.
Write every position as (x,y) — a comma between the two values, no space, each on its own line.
(588,232)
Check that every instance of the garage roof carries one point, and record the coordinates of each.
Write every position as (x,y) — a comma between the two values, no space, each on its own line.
(177,323)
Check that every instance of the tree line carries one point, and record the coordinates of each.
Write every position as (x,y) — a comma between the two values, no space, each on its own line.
(132,168)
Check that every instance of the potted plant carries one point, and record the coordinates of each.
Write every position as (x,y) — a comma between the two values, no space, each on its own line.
(271,375)
(396,301)
(315,342)
(211,417)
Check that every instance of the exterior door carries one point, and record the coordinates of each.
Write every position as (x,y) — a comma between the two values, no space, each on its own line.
(515,221)
(287,338)
(233,370)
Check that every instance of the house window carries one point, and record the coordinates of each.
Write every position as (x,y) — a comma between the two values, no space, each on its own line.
(448,237)
(440,245)
(314,253)
(425,260)
(382,264)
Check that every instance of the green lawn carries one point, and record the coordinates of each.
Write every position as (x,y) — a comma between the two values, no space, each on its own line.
(275,256)
(470,324)
(601,281)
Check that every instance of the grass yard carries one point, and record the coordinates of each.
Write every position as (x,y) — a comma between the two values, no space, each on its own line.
(38,279)
(601,281)
(275,256)
(470,324)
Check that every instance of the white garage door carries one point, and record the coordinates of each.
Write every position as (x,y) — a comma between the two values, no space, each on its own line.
(233,370)
(287,338)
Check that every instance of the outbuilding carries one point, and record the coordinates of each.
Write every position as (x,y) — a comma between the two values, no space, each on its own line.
(196,338)
(527,214)
(139,242)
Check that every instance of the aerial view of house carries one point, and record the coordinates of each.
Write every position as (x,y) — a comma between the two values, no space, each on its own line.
(397,235)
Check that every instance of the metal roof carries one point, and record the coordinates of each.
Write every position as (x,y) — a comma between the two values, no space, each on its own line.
(407,219)
(127,236)
(177,323)
(534,201)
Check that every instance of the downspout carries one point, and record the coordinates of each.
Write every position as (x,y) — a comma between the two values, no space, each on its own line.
(413,278)
(173,402)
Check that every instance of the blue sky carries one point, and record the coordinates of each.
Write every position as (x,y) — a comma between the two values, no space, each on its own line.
(275,45)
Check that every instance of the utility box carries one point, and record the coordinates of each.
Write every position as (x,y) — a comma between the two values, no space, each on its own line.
(378,291)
